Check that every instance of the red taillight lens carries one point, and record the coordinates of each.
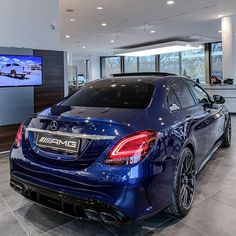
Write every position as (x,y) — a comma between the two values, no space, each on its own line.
(19,136)
(132,148)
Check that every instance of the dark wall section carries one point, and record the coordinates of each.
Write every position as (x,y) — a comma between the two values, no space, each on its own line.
(50,93)
(7,135)
(52,90)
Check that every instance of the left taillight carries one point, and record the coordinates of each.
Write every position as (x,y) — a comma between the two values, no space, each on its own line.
(132,148)
(19,136)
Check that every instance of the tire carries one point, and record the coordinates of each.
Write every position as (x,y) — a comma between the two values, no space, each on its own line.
(13,74)
(184,185)
(227,135)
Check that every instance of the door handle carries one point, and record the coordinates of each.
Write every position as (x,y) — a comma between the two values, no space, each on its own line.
(188,118)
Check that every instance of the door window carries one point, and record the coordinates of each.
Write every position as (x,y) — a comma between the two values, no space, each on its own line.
(173,101)
(183,94)
(201,96)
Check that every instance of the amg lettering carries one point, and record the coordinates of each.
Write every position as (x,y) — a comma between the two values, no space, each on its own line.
(58,142)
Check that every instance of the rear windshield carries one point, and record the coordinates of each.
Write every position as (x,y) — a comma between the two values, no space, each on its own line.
(113,94)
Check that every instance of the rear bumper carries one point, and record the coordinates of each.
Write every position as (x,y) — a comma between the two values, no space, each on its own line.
(124,191)
(69,204)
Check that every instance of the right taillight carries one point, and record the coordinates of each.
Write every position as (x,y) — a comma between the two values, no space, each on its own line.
(132,148)
(19,136)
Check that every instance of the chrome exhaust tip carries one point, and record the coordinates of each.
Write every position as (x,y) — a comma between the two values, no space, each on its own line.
(92,214)
(109,219)
(16,187)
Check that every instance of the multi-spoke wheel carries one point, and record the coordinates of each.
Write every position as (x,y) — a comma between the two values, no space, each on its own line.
(187,183)
(184,184)
(227,135)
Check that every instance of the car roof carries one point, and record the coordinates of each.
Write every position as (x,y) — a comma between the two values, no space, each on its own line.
(149,77)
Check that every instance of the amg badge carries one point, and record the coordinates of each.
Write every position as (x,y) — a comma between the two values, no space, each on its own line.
(58,143)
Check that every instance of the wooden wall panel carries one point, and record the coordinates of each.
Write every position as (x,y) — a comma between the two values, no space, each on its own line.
(7,136)
(52,90)
(45,96)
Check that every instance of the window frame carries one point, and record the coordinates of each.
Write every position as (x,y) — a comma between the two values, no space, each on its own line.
(182,108)
(193,94)
(168,103)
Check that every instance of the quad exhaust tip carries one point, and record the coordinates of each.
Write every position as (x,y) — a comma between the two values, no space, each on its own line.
(102,216)
(16,187)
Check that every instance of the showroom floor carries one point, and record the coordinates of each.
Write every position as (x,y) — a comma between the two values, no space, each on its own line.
(214,211)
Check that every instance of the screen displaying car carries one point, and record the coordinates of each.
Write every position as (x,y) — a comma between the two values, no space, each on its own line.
(20,71)
(14,70)
(120,149)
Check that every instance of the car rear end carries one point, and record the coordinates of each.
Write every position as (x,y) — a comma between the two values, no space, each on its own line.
(89,162)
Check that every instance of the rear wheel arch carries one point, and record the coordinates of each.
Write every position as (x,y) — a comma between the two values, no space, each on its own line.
(187,145)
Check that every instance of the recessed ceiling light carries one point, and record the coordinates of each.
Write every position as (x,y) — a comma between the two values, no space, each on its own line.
(72,20)
(152,31)
(84,47)
(70,10)
(104,24)
(67,36)
(220,31)
(170,2)
(99,8)
(220,16)
(112,41)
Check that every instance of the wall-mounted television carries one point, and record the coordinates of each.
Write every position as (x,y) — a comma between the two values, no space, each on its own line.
(20,71)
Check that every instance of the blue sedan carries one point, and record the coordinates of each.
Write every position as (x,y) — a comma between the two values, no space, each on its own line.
(121,149)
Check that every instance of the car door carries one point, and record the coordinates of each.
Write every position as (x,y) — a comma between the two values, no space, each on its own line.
(216,115)
(195,117)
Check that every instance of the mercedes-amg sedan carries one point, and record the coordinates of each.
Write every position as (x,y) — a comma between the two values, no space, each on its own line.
(121,149)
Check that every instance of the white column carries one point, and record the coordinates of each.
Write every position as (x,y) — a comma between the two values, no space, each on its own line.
(66,74)
(70,58)
(95,68)
(229,46)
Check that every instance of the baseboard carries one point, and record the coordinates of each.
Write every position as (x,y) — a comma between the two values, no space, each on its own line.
(5,152)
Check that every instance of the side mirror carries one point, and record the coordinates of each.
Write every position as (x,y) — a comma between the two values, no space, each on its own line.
(218,99)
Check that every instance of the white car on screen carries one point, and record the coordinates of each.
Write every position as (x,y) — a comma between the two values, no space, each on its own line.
(14,70)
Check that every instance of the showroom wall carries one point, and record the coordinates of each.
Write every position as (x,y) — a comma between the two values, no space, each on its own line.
(50,93)
(30,24)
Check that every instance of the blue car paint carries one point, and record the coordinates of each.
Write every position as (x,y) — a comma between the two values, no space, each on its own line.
(138,190)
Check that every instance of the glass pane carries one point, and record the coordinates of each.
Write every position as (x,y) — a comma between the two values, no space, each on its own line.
(173,101)
(183,94)
(199,93)
(169,62)
(193,64)
(147,64)
(131,64)
(130,94)
(216,60)
(111,65)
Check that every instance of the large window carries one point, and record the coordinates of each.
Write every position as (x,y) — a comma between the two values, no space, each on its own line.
(147,64)
(131,64)
(216,60)
(190,63)
(170,63)
(111,65)
(193,64)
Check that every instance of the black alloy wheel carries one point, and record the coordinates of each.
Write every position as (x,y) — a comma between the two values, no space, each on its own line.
(226,142)
(187,183)
(184,184)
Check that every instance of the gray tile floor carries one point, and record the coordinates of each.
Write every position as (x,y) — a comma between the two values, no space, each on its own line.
(213,213)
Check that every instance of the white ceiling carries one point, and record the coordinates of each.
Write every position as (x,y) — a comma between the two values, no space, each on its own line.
(130,21)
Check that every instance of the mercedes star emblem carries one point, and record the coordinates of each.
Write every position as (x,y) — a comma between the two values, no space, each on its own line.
(54,125)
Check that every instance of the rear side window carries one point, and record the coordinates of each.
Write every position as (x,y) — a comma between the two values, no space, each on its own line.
(134,94)
(199,93)
(173,101)
(183,94)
